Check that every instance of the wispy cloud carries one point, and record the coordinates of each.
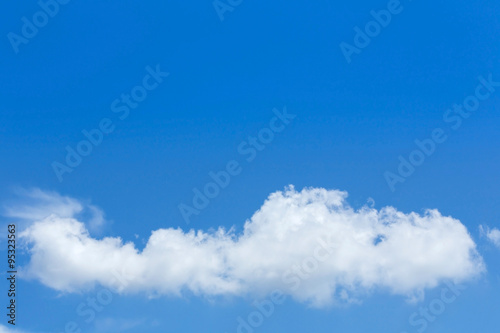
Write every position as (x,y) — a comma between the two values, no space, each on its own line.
(368,249)
(36,205)
(493,235)
(5,329)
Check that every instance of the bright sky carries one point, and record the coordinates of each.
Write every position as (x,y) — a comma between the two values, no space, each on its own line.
(245,166)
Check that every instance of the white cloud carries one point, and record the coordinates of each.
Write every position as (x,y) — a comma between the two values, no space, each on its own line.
(310,244)
(493,235)
(38,205)
(5,329)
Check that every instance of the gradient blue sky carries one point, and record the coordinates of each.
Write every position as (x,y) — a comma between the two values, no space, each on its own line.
(352,122)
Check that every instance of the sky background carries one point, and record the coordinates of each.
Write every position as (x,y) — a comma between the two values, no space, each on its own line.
(352,122)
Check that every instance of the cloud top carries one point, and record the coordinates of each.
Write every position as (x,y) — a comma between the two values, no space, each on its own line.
(310,244)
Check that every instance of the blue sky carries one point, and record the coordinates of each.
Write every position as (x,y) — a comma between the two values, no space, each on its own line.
(230,80)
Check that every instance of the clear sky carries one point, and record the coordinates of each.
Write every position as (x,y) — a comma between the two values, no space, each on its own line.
(126,124)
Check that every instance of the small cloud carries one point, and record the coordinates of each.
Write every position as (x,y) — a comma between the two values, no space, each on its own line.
(95,218)
(493,235)
(5,329)
(34,205)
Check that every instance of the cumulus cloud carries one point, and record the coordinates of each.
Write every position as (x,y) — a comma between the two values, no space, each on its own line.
(310,244)
(493,235)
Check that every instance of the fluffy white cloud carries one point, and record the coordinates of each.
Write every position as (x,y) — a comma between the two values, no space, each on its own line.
(310,244)
(493,235)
